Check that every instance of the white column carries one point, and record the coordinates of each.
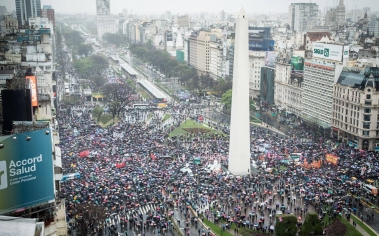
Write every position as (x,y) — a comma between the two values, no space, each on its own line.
(239,144)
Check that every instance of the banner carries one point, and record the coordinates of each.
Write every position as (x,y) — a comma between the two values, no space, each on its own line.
(26,170)
(33,89)
(332,159)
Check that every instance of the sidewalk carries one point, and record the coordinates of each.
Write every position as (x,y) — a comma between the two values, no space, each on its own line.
(359,228)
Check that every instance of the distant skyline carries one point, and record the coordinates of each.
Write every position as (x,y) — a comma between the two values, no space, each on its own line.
(142,7)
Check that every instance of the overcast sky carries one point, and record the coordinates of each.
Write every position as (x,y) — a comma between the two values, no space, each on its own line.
(190,6)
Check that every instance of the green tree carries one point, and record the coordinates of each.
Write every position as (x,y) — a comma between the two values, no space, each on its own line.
(115,39)
(117,97)
(311,225)
(84,49)
(83,67)
(286,225)
(226,98)
(98,81)
(97,112)
(100,63)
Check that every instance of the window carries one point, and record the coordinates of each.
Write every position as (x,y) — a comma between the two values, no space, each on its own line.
(365,133)
(368,103)
(367,110)
(368,96)
(366,125)
(366,117)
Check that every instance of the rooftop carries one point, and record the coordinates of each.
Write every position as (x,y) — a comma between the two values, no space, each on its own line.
(356,78)
(317,36)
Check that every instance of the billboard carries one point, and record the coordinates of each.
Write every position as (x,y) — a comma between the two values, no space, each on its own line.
(260,39)
(297,63)
(33,88)
(26,170)
(270,58)
(328,51)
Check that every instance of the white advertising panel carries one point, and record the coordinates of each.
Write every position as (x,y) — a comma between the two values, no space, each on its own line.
(328,51)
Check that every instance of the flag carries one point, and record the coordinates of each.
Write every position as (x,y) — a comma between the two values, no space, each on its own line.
(153,156)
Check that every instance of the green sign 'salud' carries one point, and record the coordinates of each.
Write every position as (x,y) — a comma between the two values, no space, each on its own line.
(26,170)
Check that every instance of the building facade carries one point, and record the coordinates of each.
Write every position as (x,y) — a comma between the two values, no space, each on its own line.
(199,56)
(355,117)
(288,83)
(256,62)
(183,21)
(302,16)
(319,77)
(335,17)
(267,85)
(26,9)
(48,13)
(374,26)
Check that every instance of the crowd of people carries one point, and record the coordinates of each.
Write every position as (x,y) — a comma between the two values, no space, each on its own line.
(134,169)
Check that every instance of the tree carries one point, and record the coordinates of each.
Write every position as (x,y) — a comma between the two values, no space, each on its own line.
(286,225)
(97,112)
(117,97)
(311,225)
(226,98)
(98,81)
(100,63)
(84,49)
(83,67)
(115,39)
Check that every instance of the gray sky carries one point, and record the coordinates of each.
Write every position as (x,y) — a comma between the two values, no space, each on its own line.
(191,6)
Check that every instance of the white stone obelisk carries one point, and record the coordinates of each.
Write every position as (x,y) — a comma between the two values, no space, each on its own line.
(239,143)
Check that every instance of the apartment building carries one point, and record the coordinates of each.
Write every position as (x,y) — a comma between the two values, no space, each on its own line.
(302,16)
(355,116)
(319,78)
(289,79)
(256,62)
(199,49)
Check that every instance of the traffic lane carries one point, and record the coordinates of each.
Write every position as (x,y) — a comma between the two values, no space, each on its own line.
(180,217)
(373,223)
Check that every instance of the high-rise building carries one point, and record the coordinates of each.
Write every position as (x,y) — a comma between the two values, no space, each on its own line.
(256,62)
(3,10)
(302,16)
(199,50)
(125,12)
(105,22)
(183,21)
(336,16)
(26,9)
(374,26)
(320,74)
(48,12)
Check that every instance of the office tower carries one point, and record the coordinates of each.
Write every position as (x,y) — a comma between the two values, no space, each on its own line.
(48,12)
(239,143)
(302,16)
(26,9)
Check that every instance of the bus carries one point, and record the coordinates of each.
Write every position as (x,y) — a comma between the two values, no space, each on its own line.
(140,106)
(70,176)
(370,189)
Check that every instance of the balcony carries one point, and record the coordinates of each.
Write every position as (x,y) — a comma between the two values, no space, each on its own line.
(42,97)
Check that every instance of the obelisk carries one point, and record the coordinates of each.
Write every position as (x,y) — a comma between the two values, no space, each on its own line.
(239,143)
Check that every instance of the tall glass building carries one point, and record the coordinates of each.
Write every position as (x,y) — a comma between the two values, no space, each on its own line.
(26,9)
